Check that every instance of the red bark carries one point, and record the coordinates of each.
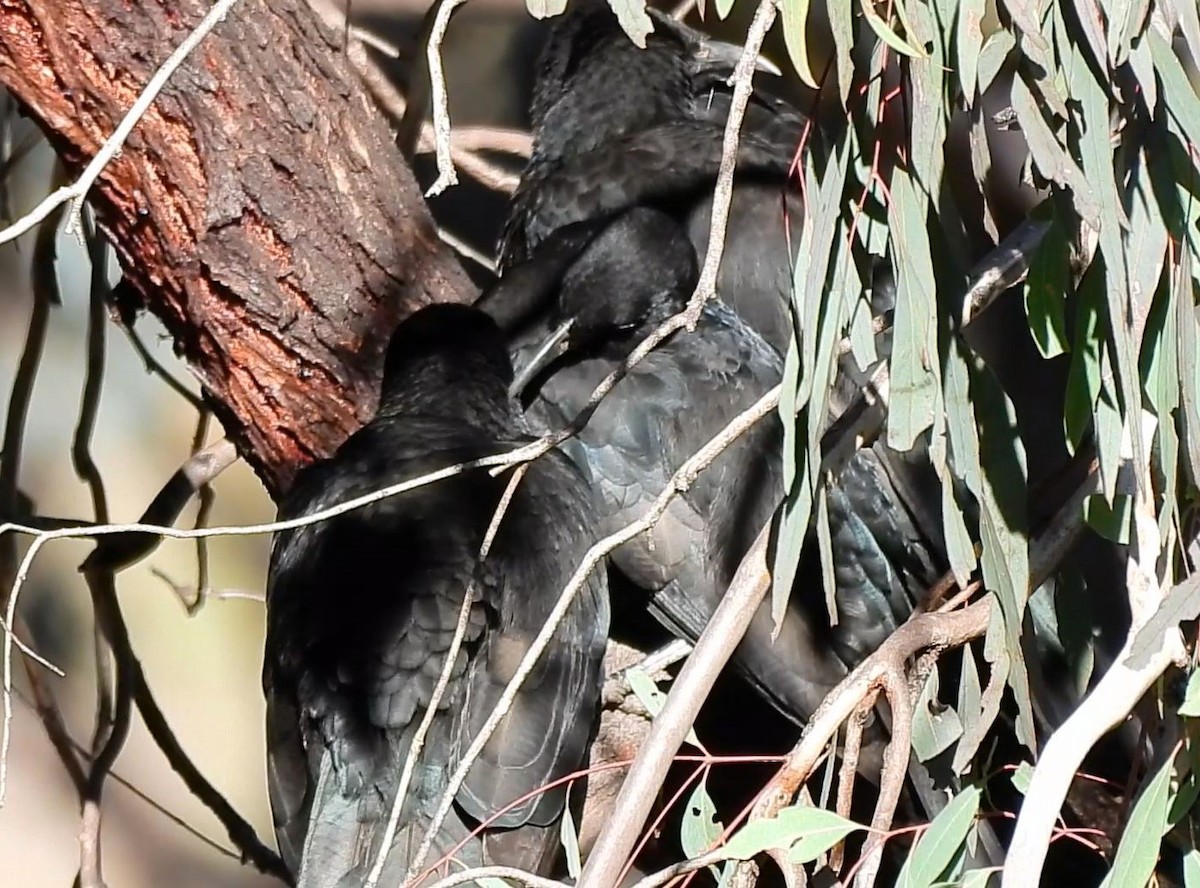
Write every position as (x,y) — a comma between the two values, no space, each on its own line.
(260,207)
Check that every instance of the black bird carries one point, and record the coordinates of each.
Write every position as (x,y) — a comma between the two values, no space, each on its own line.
(616,126)
(362,609)
(576,310)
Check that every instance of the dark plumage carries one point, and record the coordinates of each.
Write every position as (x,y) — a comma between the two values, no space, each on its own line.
(600,288)
(616,126)
(362,608)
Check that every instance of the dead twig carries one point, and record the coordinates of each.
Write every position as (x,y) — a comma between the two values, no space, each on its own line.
(688,692)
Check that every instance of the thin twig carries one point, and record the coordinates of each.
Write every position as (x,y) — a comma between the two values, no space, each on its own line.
(688,692)
(196,473)
(743,81)
(1113,697)
(435,699)
(77,192)
(240,832)
(441,107)
(52,722)
(891,782)
(45,292)
(154,366)
(43,704)
(683,478)
(114,697)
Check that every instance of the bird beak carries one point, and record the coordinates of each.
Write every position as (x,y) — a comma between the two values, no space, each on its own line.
(718,57)
(551,349)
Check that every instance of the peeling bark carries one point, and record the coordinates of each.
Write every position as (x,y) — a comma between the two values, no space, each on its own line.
(260,208)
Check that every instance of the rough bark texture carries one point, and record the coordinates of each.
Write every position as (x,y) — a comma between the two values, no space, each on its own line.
(260,207)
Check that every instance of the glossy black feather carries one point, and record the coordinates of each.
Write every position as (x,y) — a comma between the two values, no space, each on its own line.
(362,609)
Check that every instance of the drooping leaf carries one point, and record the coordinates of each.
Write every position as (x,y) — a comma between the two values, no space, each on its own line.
(993,56)
(1022,777)
(795,37)
(936,848)
(1191,869)
(1181,603)
(541,9)
(1191,697)
(887,35)
(1181,98)
(1113,522)
(1051,158)
(700,829)
(1138,852)
(1002,525)
(995,651)
(803,830)
(935,725)
(841,26)
(569,838)
(634,20)
(914,377)
(968,44)
(1083,378)
(1046,292)
(652,697)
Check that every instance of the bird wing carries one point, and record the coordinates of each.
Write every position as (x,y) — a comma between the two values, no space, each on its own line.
(362,610)
(655,164)
(546,733)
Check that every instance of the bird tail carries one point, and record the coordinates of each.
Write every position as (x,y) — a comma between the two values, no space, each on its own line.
(345,837)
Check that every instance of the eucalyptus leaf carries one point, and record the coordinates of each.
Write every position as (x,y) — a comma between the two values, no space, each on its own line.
(1138,852)
(937,846)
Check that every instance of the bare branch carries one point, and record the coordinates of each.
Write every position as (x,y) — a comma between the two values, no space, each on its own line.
(45,291)
(688,692)
(742,79)
(1114,696)
(441,110)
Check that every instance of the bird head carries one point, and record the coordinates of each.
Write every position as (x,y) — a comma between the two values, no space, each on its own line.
(440,348)
(593,83)
(635,274)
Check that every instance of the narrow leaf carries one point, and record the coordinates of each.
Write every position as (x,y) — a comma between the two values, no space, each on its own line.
(813,826)
(914,381)
(795,36)
(1138,852)
(968,44)
(887,35)
(700,828)
(936,848)
(634,20)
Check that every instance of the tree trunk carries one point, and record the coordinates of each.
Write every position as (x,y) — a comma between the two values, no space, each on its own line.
(260,208)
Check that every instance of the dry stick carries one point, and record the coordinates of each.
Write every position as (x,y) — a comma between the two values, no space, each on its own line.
(43,704)
(52,722)
(240,832)
(77,192)
(683,478)
(712,651)
(891,782)
(155,367)
(104,600)
(441,110)
(114,707)
(435,699)
(45,291)
(1110,700)
(198,470)
(742,80)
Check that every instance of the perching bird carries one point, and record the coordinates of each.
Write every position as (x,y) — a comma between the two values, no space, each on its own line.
(591,293)
(616,126)
(362,609)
